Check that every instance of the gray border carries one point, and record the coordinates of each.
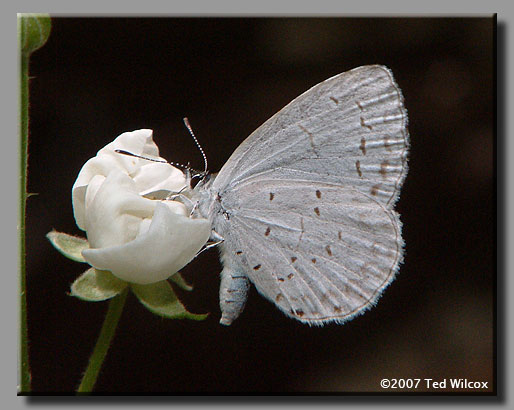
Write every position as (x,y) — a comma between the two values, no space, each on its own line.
(9,169)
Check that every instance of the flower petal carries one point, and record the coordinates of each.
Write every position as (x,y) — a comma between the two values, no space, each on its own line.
(92,189)
(171,242)
(137,142)
(94,167)
(114,214)
(155,176)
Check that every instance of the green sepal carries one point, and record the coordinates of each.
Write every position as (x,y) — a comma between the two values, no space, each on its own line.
(160,299)
(96,285)
(69,245)
(34,30)
(179,280)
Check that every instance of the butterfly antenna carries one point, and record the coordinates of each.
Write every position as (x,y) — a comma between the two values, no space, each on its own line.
(188,126)
(162,161)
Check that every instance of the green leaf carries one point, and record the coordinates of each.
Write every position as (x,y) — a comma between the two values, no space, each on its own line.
(160,299)
(69,245)
(96,285)
(33,30)
(179,280)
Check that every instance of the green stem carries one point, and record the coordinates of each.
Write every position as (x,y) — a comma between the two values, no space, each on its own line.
(104,341)
(33,32)
(24,122)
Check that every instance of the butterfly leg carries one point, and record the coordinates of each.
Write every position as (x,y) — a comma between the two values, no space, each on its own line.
(214,240)
(233,293)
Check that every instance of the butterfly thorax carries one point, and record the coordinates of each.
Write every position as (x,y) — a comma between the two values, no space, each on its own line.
(204,194)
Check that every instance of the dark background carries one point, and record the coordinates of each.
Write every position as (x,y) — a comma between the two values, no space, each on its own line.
(99,77)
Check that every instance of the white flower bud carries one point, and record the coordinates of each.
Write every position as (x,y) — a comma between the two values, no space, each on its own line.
(139,240)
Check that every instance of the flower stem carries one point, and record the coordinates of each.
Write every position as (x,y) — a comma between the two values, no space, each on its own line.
(33,32)
(104,341)
(24,121)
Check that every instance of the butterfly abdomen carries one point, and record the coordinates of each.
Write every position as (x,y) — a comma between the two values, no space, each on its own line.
(233,291)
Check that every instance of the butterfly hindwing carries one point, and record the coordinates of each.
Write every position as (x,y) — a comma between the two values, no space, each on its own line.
(320,252)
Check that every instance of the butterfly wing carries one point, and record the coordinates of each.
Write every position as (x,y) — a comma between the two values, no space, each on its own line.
(326,257)
(349,129)
(320,252)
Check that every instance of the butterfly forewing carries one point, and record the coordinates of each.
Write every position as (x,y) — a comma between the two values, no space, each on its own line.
(349,129)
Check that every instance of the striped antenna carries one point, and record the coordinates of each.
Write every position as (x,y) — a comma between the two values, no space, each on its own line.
(188,126)
(162,161)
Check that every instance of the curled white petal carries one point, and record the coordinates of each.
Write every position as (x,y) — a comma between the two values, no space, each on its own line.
(138,142)
(155,176)
(114,214)
(144,226)
(176,207)
(97,166)
(92,188)
(171,242)
(145,173)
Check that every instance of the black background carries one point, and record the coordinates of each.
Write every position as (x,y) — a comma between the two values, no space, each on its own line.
(99,77)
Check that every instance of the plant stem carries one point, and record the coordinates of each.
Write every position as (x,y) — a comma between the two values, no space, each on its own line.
(33,32)
(24,121)
(103,343)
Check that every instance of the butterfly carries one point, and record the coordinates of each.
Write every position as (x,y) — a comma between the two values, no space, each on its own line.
(304,207)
